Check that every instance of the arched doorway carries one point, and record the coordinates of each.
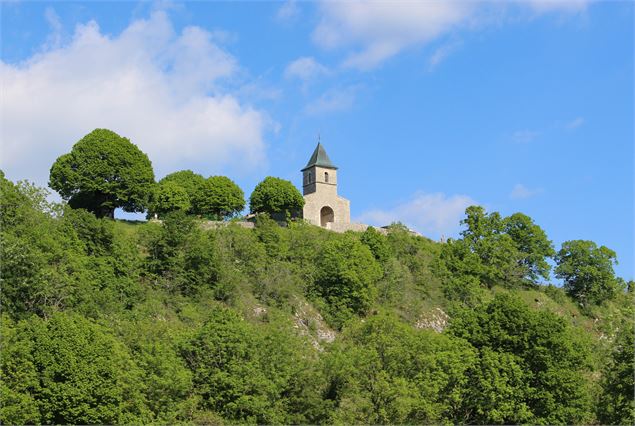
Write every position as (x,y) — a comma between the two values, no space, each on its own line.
(326,216)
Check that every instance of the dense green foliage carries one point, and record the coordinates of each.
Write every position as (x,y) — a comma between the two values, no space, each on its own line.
(617,405)
(531,367)
(216,197)
(104,171)
(276,196)
(170,322)
(219,198)
(68,370)
(169,197)
(189,181)
(587,271)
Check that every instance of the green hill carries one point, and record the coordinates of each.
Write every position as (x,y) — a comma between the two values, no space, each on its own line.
(116,322)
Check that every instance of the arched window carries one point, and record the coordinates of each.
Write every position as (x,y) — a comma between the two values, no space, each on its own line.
(326,177)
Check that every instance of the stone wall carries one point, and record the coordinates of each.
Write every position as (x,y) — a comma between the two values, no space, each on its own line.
(357,227)
(313,204)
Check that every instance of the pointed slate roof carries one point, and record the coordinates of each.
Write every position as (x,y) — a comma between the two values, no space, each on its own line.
(319,159)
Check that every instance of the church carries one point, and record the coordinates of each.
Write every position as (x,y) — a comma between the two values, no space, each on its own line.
(322,204)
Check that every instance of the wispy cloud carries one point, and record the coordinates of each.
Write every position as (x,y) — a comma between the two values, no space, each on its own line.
(373,31)
(333,100)
(575,123)
(163,90)
(434,215)
(521,192)
(288,11)
(54,39)
(305,69)
(383,29)
(524,136)
(441,53)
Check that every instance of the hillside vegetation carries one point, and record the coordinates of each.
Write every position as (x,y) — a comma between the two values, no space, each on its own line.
(126,322)
(170,322)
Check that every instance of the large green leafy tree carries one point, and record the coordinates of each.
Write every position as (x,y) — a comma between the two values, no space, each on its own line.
(532,367)
(384,371)
(67,370)
(587,271)
(508,251)
(191,182)
(169,196)
(485,253)
(532,243)
(104,171)
(248,374)
(276,196)
(377,243)
(219,197)
(347,274)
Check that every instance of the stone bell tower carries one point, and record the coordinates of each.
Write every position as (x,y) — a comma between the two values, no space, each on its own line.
(322,205)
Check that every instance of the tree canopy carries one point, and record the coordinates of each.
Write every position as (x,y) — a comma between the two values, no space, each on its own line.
(346,276)
(191,182)
(168,197)
(532,367)
(494,250)
(104,171)
(587,271)
(219,197)
(274,196)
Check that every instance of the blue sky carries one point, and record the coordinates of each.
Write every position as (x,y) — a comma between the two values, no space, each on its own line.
(425,107)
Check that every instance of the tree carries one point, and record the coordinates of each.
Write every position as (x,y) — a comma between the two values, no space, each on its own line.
(587,271)
(507,251)
(346,275)
(68,370)
(533,366)
(384,371)
(532,243)
(191,182)
(219,197)
(248,374)
(377,243)
(181,256)
(485,252)
(169,196)
(104,171)
(617,404)
(276,196)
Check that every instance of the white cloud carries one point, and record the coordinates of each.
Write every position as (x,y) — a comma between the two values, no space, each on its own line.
(161,89)
(333,100)
(376,30)
(288,11)
(305,68)
(55,37)
(383,29)
(575,123)
(521,192)
(441,53)
(433,215)
(524,136)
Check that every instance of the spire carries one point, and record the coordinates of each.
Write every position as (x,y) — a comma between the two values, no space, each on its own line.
(319,159)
